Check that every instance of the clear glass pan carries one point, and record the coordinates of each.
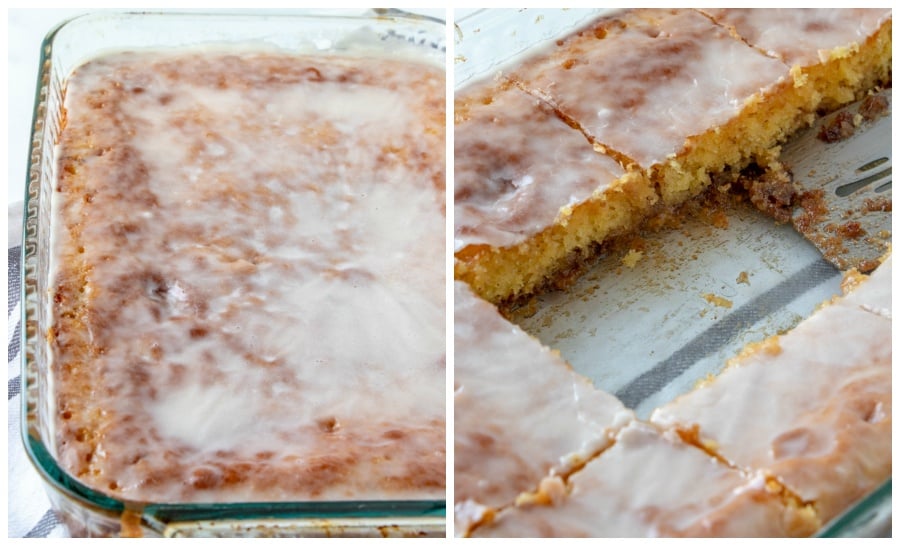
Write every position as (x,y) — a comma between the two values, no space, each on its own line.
(90,513)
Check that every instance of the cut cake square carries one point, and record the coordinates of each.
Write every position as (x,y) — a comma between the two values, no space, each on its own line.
(650,484)
(520,412)
(810,408)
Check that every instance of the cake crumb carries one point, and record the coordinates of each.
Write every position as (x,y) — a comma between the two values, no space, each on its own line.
(867,266)
(704,381)
(852,279)
(131,524)
(743,278)
(718,300)
(773,486)
(551,491)
(841,127)
(851,230)
(632,258)
(719,219)
(880,204)
(771,190)
(771,346)
(873,106)
(800,78)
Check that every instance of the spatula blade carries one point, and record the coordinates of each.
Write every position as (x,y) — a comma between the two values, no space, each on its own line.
(842,170)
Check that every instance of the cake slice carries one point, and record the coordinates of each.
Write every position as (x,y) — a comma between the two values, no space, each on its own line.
(835,55)
(520,412)
(529,191)
(675,96)
(810,408)
(667,90)
(651,484)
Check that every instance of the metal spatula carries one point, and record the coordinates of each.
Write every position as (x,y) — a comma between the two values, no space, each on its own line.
(844,182)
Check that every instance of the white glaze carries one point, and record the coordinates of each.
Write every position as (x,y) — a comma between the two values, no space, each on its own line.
(650,485)
(275,306)
(516,166)
(803,37)
(644,88)
(520,413)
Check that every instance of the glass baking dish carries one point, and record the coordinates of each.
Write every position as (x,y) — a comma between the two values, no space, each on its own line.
(88,512)
(643,333)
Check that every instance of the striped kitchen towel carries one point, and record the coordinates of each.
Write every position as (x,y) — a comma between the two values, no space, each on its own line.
(29,509)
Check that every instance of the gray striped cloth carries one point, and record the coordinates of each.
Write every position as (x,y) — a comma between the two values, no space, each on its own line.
(29,509)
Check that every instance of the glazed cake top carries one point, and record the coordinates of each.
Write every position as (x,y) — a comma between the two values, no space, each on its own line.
(650,484)
(833,443)
(520,412)
(643,81)
(517,166)
(802,37)
(233,242)
(623,82)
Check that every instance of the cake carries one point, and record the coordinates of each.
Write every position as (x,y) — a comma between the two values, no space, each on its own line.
(683,101)
(615,82)
(525,416)
(240,312)
(649,483)
(747,453)
(832,53)
(522,168)
(830,446)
